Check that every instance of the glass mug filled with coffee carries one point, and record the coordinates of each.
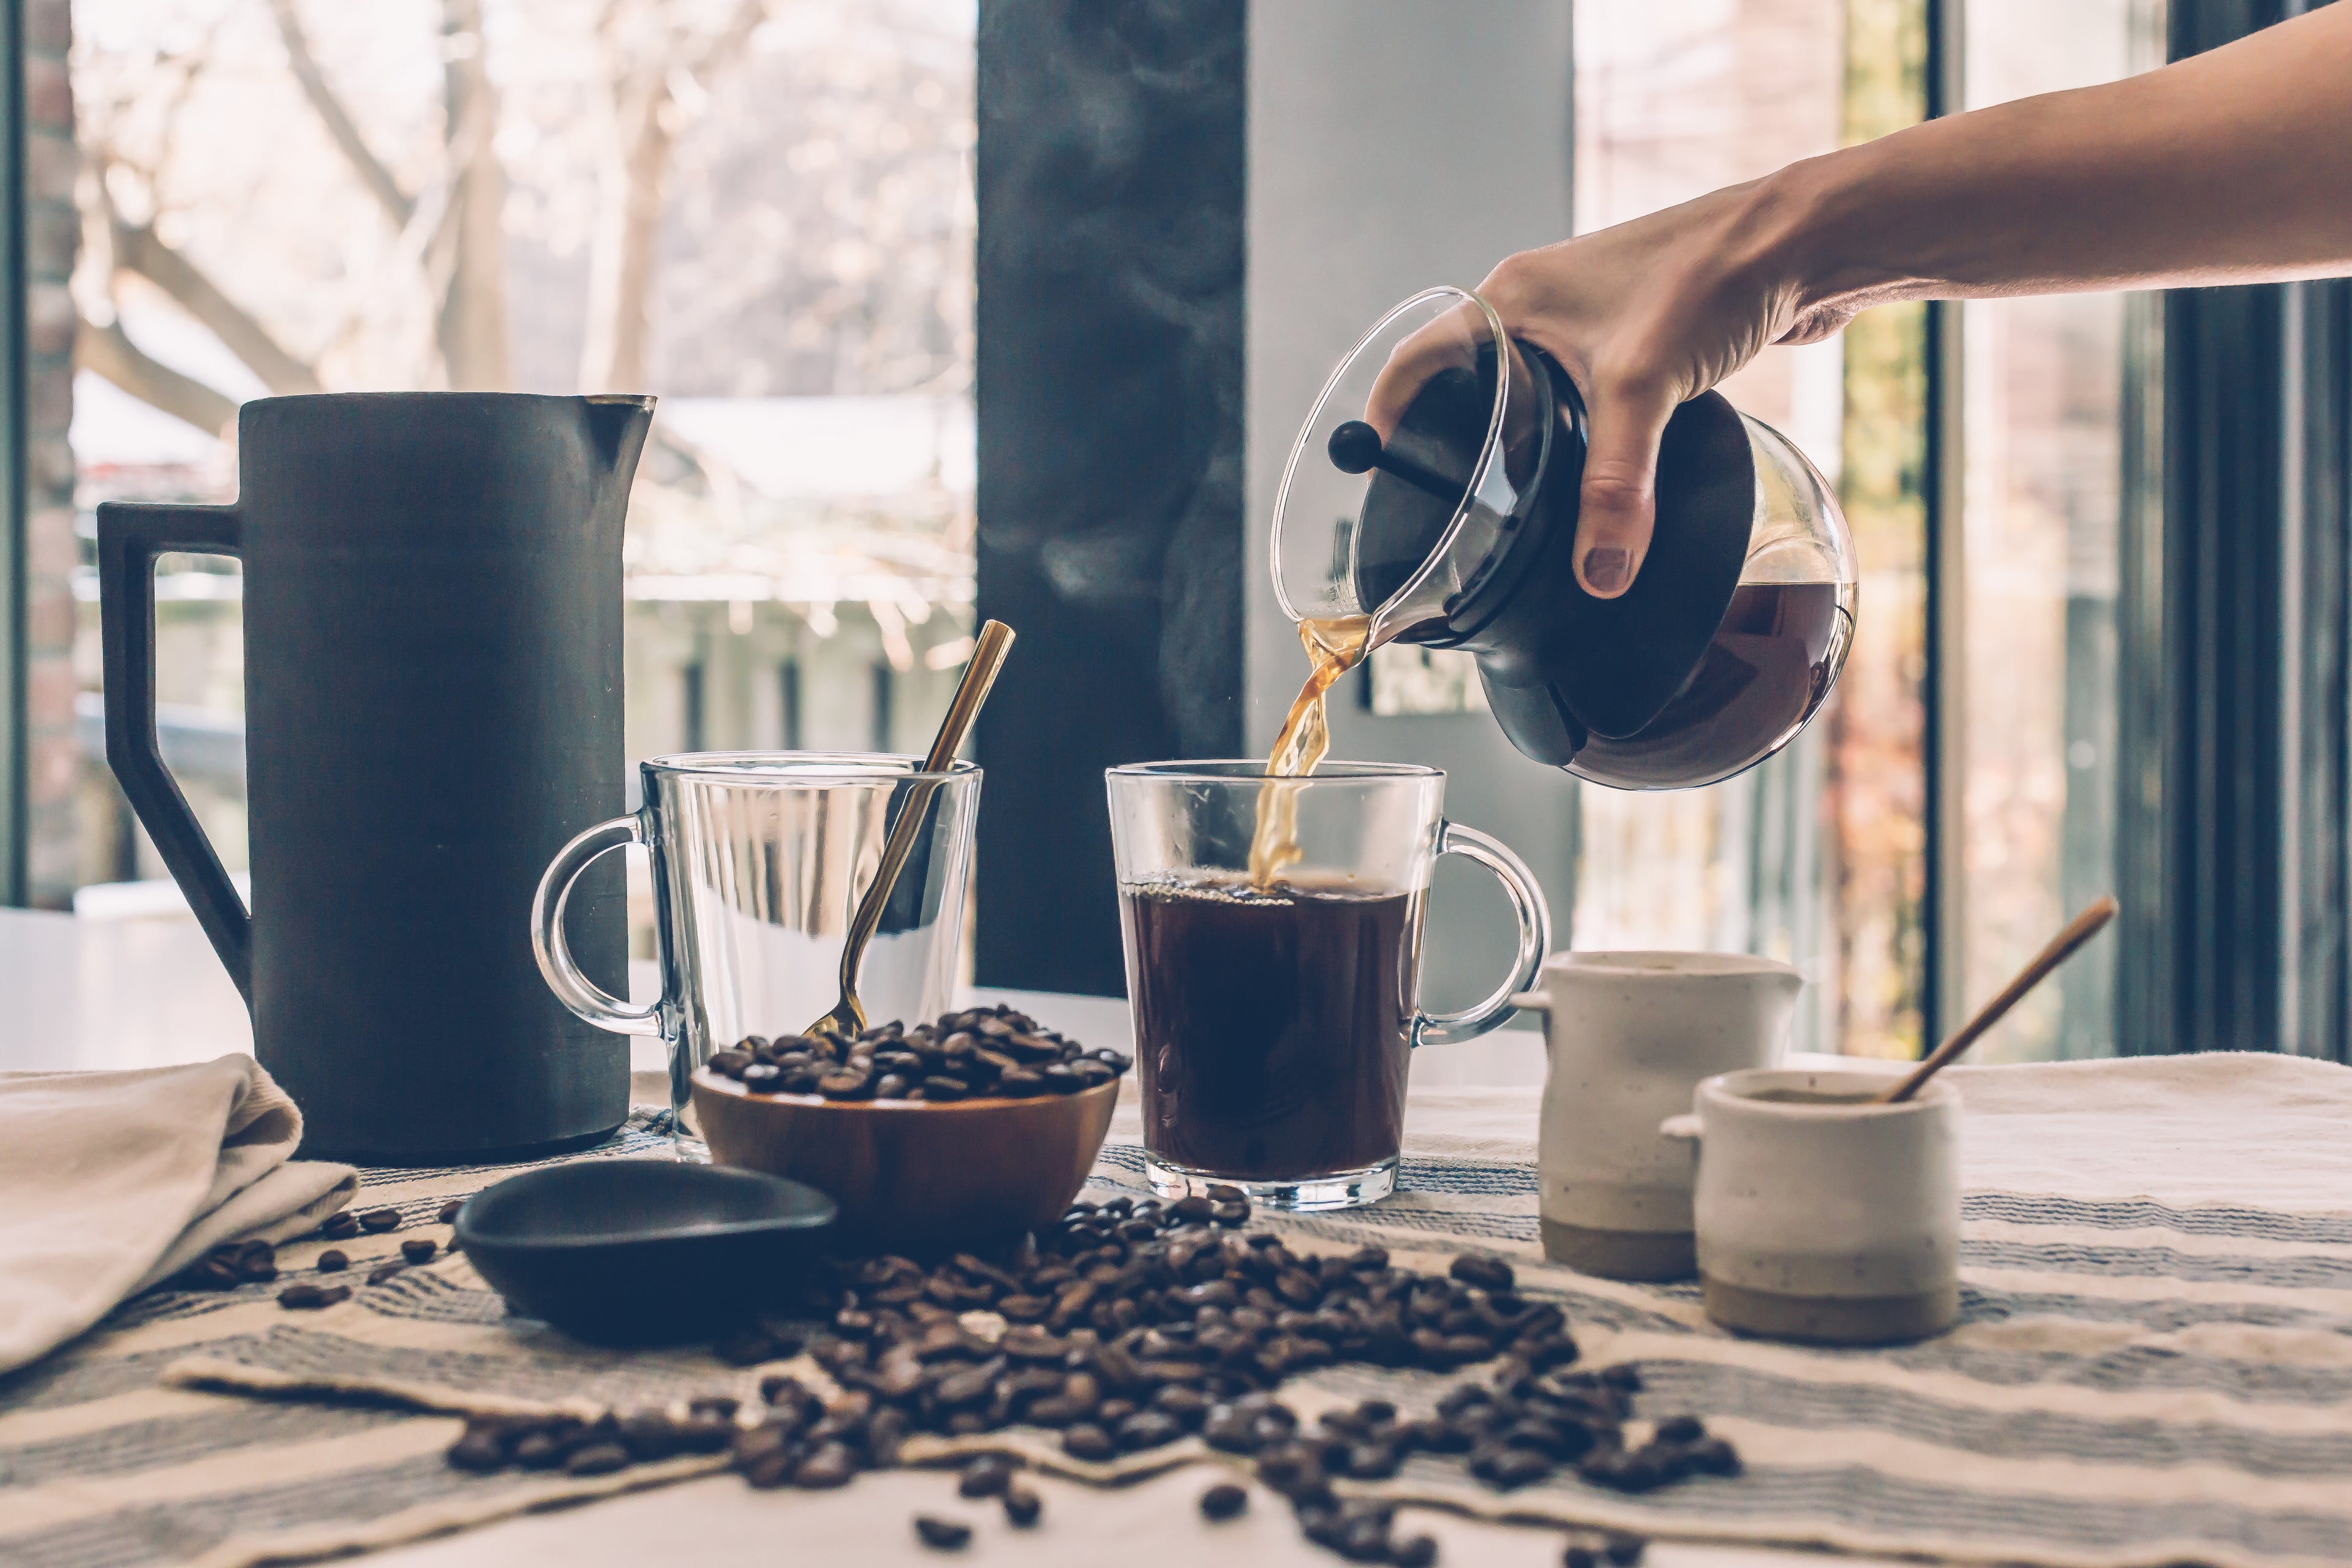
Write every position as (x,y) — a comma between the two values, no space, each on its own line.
(1273,929)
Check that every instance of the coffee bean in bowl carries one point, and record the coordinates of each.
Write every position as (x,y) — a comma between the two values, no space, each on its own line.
(973,1128)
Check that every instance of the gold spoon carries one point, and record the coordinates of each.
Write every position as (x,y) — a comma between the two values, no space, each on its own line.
(995,639)
(2082,929)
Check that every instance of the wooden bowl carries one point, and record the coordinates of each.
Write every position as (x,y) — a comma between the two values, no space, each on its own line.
(915,1175)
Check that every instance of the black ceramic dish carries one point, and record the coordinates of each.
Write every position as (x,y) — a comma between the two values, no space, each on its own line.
(644,1251)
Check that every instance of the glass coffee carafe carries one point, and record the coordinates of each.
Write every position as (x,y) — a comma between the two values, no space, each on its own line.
(1434,492)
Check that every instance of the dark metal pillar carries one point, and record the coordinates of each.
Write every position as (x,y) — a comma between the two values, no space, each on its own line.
(1111,170)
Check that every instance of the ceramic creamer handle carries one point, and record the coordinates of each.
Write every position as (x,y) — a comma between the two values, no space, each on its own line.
(1531,1002)
(572,988)
(1684,1126)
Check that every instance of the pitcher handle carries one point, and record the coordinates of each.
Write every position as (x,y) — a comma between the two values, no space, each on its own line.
(130,535)
(1535,939)
(549,945)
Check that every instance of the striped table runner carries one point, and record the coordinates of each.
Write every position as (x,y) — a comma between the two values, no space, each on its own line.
(2135,1382)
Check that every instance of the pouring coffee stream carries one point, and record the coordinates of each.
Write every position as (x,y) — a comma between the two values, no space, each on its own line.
(1334,647)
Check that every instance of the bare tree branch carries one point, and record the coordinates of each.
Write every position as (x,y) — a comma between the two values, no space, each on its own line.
(471,327)
(341,126)
(729,41)
(622,257)
(109,352)
(136,249)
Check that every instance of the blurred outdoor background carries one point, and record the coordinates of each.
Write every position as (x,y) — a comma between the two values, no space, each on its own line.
(763,211)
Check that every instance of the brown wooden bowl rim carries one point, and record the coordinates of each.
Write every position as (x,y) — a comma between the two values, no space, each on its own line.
(703,1078)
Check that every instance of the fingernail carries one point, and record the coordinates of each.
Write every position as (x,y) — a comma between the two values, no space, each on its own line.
(1607,569)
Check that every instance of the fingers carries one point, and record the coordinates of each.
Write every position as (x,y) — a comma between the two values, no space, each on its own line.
(1621,482)
(1451,339)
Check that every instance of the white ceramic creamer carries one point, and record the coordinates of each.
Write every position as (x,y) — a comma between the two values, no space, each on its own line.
(1629,1035)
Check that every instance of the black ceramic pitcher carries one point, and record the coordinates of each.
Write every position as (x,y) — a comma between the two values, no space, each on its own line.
(432,708)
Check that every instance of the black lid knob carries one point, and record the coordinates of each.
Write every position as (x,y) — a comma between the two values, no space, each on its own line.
(1354,447)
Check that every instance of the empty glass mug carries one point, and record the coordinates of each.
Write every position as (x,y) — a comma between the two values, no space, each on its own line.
(1275,1025)
(760,860)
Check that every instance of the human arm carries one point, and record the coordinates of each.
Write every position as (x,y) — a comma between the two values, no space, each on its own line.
(2232,167)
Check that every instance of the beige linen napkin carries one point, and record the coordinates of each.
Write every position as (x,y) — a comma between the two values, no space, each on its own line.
(111,1180)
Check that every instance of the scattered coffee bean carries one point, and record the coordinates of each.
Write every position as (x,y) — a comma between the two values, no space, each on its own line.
(311,1297)
(479,1452)
(1617,1548)
(384,1271)
(340,1225)
(377,1221)
(1087,1441)
(1223,1500)
(1482,1269)
(597,1459)
(1128,1324)
(333,1261)
(833,1465)
(1713,1457)
(419,1250)
(1149,1429)
(256,1261)
(985,1476)
(1021,1507)
(448,1213)
(943,1534)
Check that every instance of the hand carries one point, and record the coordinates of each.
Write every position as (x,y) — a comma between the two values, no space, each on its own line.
(1643,317)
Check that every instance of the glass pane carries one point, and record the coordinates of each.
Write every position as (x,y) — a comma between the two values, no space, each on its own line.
(1814,856)
(760,210)
(2043,394)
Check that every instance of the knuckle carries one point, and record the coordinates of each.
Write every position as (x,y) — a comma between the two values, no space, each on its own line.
(1508,287)
(1616,485)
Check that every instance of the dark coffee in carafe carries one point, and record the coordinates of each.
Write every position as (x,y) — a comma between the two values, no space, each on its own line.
(1272,1028)
(1768,667)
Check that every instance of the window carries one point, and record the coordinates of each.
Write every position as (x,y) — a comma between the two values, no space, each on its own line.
(2044,391)
(1820,857)
(1817,857)
(760,210)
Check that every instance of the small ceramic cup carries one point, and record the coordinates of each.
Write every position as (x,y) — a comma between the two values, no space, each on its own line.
(1628,1037)
(1822,1217)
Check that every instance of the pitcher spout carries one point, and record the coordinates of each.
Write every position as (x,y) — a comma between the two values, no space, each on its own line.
(617,422)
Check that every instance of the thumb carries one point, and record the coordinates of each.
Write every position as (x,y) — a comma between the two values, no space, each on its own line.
(1620,482)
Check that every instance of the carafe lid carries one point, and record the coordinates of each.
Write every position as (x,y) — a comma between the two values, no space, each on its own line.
(1414,465)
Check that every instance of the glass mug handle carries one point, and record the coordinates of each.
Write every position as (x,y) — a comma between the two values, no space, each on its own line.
(572,988)
(1535,938)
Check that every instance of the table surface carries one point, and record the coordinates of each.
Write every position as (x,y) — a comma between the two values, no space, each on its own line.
(124,993)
